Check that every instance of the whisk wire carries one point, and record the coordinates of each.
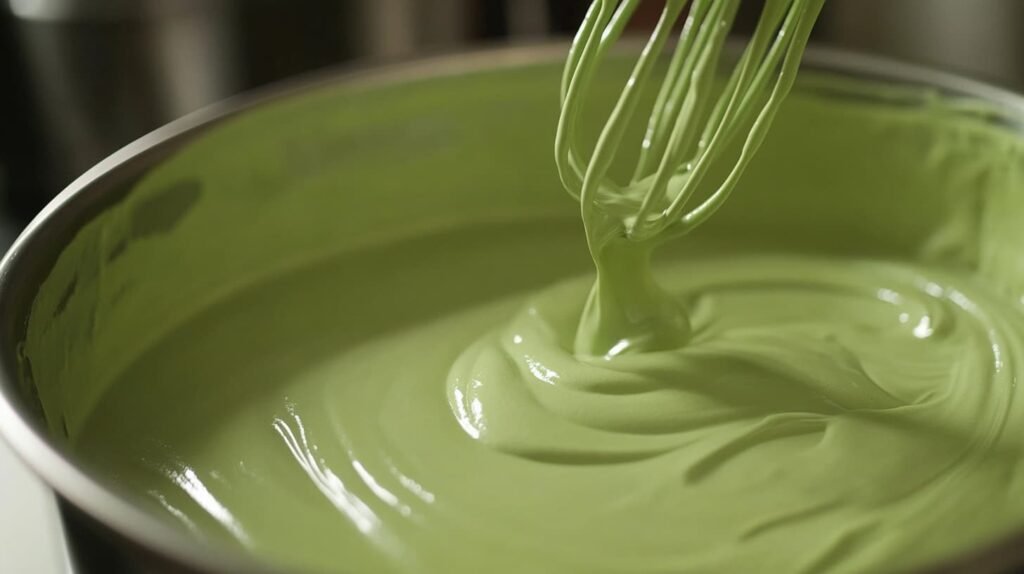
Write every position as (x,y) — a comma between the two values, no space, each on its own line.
(676,152)
(575,81)
(612,134)
(677,79)
(699,74)
(746,84)
(798,21)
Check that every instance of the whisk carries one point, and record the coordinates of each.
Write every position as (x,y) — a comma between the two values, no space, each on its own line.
(676,152)
(691,127)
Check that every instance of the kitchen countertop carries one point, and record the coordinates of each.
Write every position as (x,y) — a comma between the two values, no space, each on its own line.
(31,535)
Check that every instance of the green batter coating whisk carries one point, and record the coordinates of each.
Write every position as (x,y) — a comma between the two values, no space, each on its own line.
(692,127)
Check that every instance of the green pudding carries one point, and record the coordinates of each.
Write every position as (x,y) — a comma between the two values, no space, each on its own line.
(350,344)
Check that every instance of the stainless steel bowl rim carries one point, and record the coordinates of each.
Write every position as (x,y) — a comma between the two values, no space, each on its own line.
(100,502)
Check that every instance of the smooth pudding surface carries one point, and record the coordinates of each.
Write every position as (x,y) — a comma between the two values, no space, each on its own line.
(829,413)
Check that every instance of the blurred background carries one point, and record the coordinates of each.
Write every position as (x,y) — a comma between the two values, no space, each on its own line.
(80,78)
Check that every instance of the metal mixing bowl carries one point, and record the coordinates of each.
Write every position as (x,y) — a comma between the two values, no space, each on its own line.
(132,192)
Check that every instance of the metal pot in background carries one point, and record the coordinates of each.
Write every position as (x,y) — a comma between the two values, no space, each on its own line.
(101,73)
(983,39)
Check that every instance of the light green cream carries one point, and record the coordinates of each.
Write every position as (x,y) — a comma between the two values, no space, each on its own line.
(846,400)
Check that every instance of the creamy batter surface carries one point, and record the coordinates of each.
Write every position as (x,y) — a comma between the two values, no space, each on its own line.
(840,414)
